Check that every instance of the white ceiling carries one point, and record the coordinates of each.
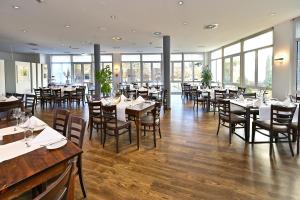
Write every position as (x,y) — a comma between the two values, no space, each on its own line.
(91,23)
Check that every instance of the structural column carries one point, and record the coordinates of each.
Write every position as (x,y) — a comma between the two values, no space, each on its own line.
(166,60)
(97,67)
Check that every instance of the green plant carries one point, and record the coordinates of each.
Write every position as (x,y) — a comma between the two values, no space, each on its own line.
(206,76)
(103,77)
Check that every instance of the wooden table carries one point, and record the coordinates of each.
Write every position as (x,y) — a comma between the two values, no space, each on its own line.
(137,112)
(30,170)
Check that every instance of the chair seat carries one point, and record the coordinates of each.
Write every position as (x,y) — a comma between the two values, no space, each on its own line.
(234,118)
(148,120)
(266,124)
(96,119)
(294,125)
(239,111)
(120,125)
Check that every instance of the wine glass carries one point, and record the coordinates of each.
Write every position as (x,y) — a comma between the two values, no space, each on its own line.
(16,114)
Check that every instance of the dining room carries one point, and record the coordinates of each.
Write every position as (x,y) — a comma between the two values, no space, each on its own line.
(149,100)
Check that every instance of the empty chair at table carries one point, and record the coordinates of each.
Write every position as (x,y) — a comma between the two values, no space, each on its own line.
(76,130)
(19,96)
(218,94)
(78,96)
(58,189)
(152,121)
(278,127)
(201,97)
(241,90)
(143,93)
(30,100)
(95,118)
(60,121)
(114,127)
(229,119)
(251,95)
(58,97)
(46,97)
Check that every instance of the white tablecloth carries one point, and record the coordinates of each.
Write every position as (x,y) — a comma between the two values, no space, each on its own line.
(265,113)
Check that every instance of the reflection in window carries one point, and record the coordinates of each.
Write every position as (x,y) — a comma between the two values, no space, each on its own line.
(264,59)
(250,68)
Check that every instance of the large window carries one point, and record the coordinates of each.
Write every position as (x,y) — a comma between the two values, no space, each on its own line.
(249,68)
(61,69)
(216,66)
(298,53)
(232,64)
(193,65)
(151,68)
(131,68)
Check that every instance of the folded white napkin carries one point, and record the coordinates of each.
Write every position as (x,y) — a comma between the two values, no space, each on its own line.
(34,122)
(287,102)
(123,98)
(121,107)
(12,98)
(47,136)
(140,100)
(3,98)
(104,101)
(241,97)
(257,103)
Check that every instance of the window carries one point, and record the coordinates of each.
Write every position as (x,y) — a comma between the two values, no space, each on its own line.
(216,54)
(146,72)
(236,69)
(131,72)
(176,71)
(216,69)
(250,68)
(193,57)
(82,58)
(298,65)
(126,58)
(151,67)
(265,39)
(106,58)
(188,71)
(61,73)
(176,57)
(233,49)
(156,72)
(60,58)
(151,57)
(227,70)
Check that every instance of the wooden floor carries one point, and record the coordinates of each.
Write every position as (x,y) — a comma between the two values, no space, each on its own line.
(190,162)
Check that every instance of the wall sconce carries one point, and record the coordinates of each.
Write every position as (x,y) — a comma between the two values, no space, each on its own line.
(279,59)
(116,70)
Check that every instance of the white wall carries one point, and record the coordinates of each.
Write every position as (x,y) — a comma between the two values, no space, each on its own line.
(284,77)
(116,69)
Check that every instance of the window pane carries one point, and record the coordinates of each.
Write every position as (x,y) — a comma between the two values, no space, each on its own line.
(250,68)
(197,71)
(87,69)
(106,58)
(176,57)
(233,49)
(61,72)
(298,66)
(193,57)
(219,70)
(265,66)
(236,69)
(216,54)
(213,68)
(146,72)
(136,72)
(151,57)
(188,71)
(227,70)
(259,41)
(125,72)
(157,72)
(131,57)
(86,58)
(77,73)
(176,71)
(60,58)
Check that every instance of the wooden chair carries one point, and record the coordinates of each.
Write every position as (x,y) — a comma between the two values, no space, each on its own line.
(226,116)
(59,189)
(164,99)
(219,94)
(202,98)
(76,130)
(280,123)
(30,100)
(38,95)
(95,118)
(46,97)
(131,93)
(250,95)
(60,121)
(241,90)
(232,93)
(78,96)
(296,132)
(19,96)
(152,121)
(143,94)
(112,126)
(186,90)
(9,94)
(58,98)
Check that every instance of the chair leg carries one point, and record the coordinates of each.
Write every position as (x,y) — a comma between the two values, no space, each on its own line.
(298,136)
(104,139)
(159,131)
(129,133)
(218,126)
(230,133)
(154,136)
(80,176)
(117,141)
(253,131)
(271,143)
(290,143)
(91,128)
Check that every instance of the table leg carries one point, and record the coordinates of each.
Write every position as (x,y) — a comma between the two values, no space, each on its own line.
(138,124)
(208,105)
(247,134)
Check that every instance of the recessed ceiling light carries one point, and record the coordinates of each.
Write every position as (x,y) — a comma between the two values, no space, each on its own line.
(116,38)
(157,33)
(67,26)
(16,7)
(24,30)
(133,30)
(113,17)
(185,23)
(211,26)
(32,44)
(180,3)
(273,13)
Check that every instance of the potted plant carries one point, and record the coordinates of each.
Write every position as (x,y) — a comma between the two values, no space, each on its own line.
(104,78)
(206,76)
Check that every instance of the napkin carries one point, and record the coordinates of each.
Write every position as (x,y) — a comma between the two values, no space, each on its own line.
(12,98)
(104,102)
(140,100)
(2,98)
(47,136)
(257,103)
(123,98)
(241,97)
(121,108)
(33,122)
(142,89)
(153,90)
(287,102)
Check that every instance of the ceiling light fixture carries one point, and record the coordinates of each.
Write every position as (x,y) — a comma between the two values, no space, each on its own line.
(185,23)
(16,7)
(67,26)
(116,38)
(180,3)
(40,1)
(211,26)
(157,33)
(24,30)
(113,17)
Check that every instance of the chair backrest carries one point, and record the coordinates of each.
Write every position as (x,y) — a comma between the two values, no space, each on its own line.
(30,102)
(76,130)
(60,121)
(20,96)
(156,112)
(80,92)
(232,93)
(224,108)
(38,92)
(250,95)
(281,115)
(58,190)
(143,94)
(241,90)
(46,92)
(109,114)
(9,94)
(220,94)
(131,93)
(56,93)
(94,108)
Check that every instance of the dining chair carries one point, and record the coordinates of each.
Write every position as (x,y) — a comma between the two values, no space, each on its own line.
(279,124)
(30,100)
(59,189)
(78,96)
(295,130)
(218,94)
(38,94)
(76,130)
(58,97)
(46,97)
(114,127)
(152,121)
(226,116)
(143,94)
(95,118)
(60,121)
(19,96)
(241,90)
(201,98)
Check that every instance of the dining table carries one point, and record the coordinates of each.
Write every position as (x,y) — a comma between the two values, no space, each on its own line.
(25,171)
